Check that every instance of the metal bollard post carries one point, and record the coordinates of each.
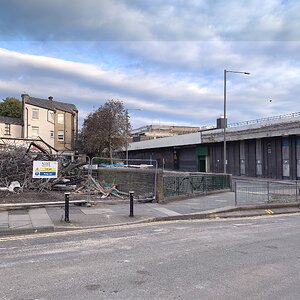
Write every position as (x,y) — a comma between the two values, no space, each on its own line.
(131,203)
(67,206)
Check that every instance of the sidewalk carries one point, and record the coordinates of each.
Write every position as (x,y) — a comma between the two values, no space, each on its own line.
(25,220)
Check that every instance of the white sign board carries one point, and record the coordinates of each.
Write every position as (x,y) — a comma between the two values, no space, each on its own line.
(45,169)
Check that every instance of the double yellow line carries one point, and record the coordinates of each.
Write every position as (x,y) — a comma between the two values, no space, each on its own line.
(269,211)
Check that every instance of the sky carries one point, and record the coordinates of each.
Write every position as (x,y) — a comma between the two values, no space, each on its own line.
(164,59)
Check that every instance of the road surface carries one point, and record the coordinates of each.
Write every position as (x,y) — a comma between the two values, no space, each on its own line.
(255,258)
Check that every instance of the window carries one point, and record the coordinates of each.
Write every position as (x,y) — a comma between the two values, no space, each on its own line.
(51,134)
(35,113)
(60,118)
(7,129)
(34,131)
(60,135)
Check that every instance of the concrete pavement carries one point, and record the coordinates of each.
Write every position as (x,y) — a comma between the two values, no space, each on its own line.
(25,219)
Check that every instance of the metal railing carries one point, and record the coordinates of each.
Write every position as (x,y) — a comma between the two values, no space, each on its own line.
(270,192)
(268,119)
(180,185)
(255,121)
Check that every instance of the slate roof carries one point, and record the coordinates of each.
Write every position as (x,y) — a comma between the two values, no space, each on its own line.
(51,104)
(9,120)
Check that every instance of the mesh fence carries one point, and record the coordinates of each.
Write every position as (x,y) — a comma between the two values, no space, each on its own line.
(179,185)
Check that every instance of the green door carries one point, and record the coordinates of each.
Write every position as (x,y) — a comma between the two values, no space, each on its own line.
(202,152)
(201,163)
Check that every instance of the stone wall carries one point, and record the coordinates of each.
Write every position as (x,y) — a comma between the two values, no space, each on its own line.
(144,183)
(141,181)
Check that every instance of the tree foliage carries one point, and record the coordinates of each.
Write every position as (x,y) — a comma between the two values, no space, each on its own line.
(105,130)
(11,107)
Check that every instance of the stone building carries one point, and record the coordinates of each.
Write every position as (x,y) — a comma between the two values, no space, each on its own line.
(54,122)
(150,132)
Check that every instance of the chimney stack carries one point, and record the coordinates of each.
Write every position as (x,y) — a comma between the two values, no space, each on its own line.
(221,123)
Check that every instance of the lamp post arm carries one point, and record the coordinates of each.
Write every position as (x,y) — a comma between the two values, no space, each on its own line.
(225,117)
(245,73)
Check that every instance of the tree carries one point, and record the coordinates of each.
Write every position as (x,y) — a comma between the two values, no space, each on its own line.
(105,129)
(11,107)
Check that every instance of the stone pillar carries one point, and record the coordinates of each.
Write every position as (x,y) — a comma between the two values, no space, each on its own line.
(160,187)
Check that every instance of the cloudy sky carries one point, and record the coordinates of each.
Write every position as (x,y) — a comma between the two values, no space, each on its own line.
(166,57)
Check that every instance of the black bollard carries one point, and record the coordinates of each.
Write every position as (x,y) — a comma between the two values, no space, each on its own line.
(131,203)
(67,206)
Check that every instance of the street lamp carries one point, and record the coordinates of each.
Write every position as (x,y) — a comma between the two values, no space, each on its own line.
(127,121)
(225,121)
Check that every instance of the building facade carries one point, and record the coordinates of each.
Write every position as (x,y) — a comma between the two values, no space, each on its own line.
(11,127)
(56,123)
(268,148)
(151,132)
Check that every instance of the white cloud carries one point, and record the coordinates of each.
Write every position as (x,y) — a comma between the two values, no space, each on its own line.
(174,88)
(44,76)
(160,20)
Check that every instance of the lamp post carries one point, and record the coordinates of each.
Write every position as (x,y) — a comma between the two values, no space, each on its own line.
(127,121)
(225,121)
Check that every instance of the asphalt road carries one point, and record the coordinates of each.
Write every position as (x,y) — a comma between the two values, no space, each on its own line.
(256,258)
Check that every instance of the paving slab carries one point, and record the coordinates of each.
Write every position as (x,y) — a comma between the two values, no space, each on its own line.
(165,211)
(199,204)
(96,211)
(4,219)
(17,221)
(39,218)
(107,213)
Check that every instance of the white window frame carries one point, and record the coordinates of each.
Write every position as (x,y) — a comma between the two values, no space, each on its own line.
(7,129)
(35,114)
(60,118)
(37,129)
(60,135)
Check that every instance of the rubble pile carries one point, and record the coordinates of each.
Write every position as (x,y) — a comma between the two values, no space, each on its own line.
(16,169)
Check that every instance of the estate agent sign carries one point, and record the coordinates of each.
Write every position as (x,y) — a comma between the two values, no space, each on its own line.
(45,169)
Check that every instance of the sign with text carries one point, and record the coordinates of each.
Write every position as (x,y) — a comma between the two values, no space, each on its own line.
(45,169)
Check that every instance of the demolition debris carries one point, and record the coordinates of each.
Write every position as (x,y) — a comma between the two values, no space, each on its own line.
(16,175)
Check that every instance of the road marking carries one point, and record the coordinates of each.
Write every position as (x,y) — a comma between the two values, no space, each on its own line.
(212,216)
(243,224)
(269,211)
(221,201)
(120,227)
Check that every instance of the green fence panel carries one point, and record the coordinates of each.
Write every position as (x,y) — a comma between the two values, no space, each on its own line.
(194,184)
